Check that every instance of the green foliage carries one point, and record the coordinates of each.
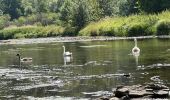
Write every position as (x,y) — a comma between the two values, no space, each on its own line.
(134,25)
(11,7)
(83,17)
(153,6)
(80,17)
(42,19)
(163,27)
(31,32)
(4,21)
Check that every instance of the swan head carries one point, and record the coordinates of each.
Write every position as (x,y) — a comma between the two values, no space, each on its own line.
(18,54)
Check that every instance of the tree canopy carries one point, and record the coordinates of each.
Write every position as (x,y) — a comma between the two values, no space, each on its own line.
(75,13)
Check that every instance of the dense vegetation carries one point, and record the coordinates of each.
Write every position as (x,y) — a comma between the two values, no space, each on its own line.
(45,18)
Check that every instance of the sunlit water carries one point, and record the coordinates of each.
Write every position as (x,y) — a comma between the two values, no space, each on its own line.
(94,69)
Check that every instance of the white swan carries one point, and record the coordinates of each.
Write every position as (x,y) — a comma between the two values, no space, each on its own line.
(66,53)
(24,60)
(67,59)
(135,50)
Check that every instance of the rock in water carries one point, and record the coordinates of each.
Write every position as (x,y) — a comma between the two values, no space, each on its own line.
(160,94)
(120,92)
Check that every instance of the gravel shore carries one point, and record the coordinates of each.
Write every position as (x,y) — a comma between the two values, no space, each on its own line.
(70,39)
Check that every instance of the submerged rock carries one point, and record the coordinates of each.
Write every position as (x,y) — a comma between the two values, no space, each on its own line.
(103,98)
(140,92)
(114,98)
(121,91)
(161,94)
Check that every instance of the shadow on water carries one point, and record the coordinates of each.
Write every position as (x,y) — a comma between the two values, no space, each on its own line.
(94,70)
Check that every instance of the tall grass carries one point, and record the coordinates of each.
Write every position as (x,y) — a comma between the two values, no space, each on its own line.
(31,32)
(134,25)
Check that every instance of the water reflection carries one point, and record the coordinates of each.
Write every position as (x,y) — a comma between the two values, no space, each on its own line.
(136,56)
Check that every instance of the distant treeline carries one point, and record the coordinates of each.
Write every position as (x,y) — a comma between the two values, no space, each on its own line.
(42,18)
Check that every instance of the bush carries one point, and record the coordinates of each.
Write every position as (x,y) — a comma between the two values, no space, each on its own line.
(136,30)
(163,27)
(134,25)
(44,19)
(4,21)
(31,32)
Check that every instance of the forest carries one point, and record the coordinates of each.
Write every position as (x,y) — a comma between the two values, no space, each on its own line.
(47,18)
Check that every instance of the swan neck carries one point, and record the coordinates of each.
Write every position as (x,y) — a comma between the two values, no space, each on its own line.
(64,49)
(19,60)
(135,43)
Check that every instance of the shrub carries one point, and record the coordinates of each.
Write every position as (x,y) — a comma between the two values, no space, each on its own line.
(134,25)
(163,27)
(136,30)
(31,32)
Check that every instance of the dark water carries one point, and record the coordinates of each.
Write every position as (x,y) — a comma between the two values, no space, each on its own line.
(94,69)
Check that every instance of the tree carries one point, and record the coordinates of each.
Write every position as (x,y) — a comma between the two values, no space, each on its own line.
(128,7)
(55,5)
(11,7)
(67,10)
(80,15)
(153,6)
(106,7)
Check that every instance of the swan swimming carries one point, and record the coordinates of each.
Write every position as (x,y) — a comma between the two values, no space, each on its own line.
(135,50)
(24,60)
(66,53)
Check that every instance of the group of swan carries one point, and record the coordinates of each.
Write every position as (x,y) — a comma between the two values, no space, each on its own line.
(67,55)
(135,50)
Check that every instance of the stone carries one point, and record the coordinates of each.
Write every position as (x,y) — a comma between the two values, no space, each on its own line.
(125,97)
(156,86)
(103,98)
(139,92)
(160,94)
(114,98)
(121,92)
(136,94)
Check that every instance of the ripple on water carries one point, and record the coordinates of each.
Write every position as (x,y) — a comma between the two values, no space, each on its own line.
(158,65)
(92,46)
(96,63)
(100,76)
(55,84)
(50,98)
(97,94)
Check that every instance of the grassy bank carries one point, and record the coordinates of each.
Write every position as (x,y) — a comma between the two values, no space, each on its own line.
(31,32)
(134,25)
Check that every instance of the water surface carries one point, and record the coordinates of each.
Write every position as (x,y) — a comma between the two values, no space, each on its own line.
(95,68)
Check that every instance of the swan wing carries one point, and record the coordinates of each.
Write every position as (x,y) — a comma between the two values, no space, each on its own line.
(68,53)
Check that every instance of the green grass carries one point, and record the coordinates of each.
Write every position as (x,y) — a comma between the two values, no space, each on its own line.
(134,25)
(31,32)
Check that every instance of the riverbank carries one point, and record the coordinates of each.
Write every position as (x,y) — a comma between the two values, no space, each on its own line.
(71,39)
(125,26)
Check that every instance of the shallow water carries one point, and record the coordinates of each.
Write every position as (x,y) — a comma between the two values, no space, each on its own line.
(94,70)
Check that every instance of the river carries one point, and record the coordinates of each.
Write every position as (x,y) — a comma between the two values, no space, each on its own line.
(94,70)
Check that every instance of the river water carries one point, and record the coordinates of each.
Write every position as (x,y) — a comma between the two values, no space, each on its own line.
(94,69)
